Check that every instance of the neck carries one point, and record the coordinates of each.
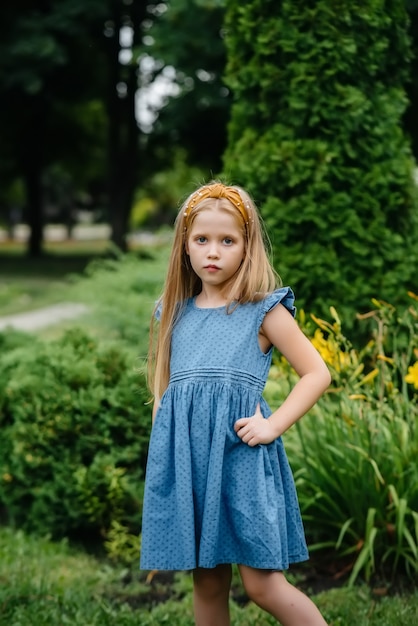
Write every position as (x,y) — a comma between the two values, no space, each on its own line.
(210,300)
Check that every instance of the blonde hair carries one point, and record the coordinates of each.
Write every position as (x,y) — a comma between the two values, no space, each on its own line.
(253,280)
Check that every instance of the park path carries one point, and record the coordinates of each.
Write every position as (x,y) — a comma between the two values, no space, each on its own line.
(41,318)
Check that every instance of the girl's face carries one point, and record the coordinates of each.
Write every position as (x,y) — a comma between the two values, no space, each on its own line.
(216,247)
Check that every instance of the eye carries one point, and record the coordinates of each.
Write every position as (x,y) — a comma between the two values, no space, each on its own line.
(201,239)
(228,241)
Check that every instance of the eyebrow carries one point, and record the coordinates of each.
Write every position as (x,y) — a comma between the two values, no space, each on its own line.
(221,236)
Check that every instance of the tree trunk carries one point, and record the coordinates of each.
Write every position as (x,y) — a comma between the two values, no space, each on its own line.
(31,158)
(35,213)
(123,166)
(123,128)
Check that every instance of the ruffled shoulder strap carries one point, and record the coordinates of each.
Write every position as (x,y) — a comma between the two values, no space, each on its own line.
(284,296)
(159,307)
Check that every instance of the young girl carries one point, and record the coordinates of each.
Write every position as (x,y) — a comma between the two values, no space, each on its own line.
(219,489)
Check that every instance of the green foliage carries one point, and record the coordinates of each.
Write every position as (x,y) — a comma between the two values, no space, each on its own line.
(75,430)
(187,36)
(142,211)
(122,292)
(14,339)
(61,74)
(315,135)
(121,545)
(39,46)
(355,457)
(163,191)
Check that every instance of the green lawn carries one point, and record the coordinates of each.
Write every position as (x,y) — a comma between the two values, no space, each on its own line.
(27,284)
(51,584)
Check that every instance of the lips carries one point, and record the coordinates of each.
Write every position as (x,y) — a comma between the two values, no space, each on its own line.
(212,267)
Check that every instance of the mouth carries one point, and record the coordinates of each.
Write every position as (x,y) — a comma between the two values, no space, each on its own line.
(212,267)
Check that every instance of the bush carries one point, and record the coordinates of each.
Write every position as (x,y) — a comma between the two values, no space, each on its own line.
(316,136)
(11,339)
(75,431)
(121,293)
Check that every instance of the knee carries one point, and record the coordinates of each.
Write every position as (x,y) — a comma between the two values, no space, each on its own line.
(261,586)
(212,584)
(255,591)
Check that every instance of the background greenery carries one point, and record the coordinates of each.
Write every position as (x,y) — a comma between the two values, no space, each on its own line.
(316,135)
(75,434)
(323,115)
(321,130)
(75,424)
(75,427)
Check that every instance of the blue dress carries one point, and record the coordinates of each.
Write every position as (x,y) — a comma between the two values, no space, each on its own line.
(210,498)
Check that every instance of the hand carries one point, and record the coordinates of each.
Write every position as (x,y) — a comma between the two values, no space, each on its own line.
(255,430)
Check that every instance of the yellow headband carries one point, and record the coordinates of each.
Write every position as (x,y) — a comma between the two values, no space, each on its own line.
(218,190)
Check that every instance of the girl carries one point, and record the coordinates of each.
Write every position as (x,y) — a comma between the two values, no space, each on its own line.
(219,489)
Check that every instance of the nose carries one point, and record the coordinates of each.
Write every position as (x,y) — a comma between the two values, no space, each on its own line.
(213,251)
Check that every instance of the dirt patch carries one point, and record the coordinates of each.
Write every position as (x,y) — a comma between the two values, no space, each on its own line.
(146,590)
(319,574)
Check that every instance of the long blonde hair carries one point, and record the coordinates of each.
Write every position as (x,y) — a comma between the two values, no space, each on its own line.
(253,280)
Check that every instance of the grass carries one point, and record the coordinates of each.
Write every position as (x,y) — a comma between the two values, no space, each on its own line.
(27,284)
(44,583)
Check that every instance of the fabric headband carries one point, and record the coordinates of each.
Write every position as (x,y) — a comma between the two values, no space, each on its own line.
(218,190)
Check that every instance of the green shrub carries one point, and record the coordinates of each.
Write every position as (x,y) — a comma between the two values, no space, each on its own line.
(121,293)
(75,430)
(11,339)
(316,136)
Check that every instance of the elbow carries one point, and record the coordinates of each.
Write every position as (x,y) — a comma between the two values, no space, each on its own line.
(327,378)
(322,377)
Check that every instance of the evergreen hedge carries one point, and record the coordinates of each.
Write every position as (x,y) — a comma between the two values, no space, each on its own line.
(315,135)
(75,429)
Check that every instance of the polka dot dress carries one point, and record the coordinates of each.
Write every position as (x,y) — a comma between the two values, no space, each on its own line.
(209,497)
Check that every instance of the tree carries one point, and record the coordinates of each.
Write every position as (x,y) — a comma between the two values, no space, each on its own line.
(66,61)
(411,117)
(122,86)
(60,59)
(43,47)
(187,36)
(316,136)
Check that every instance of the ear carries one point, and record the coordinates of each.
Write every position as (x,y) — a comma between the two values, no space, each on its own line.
(186,247)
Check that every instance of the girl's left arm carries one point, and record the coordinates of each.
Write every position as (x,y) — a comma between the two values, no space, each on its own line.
(282,331)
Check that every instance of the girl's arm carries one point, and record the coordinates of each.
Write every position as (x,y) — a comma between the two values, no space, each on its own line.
(282,331)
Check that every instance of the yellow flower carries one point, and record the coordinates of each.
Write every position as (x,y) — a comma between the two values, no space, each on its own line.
(330,351)
(412,375)
(387,359)
(369,377)
(321,344)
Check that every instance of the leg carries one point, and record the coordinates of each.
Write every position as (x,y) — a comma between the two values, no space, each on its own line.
(211,595)
(272,592)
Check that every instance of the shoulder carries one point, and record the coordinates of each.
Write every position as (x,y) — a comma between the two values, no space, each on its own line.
(179,308)
(282,295)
